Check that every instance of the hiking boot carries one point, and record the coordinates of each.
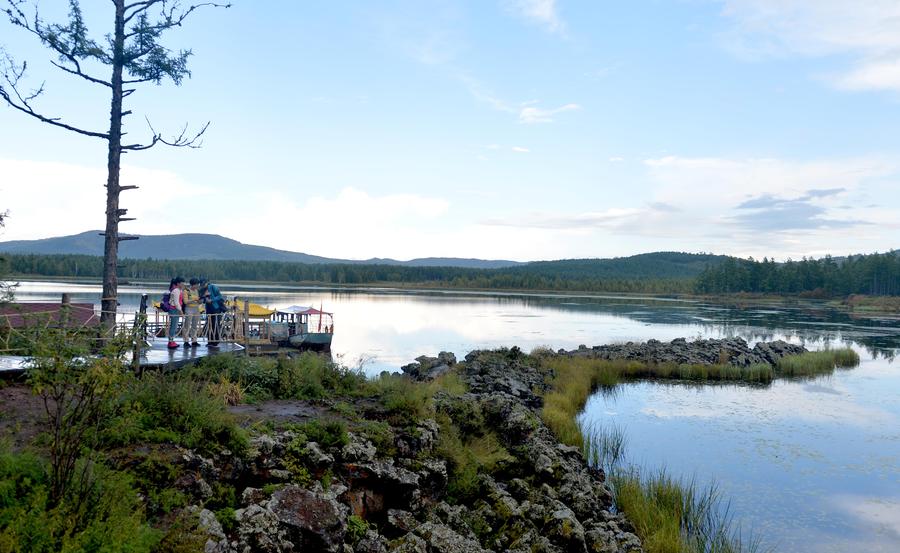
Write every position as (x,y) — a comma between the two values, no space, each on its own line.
(195,344)
(187,345)
(172,345)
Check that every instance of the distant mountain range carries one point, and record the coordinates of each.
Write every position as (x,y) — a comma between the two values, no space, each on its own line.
(212,246)
(196,247)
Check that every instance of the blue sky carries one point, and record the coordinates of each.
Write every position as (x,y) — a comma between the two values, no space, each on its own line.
(519,129)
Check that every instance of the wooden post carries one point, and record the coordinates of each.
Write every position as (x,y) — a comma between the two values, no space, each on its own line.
(246,325)
(139,334)
(65,309)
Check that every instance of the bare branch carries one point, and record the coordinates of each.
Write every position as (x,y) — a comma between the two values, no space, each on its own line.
(183,140)
(77,71)
(168,16)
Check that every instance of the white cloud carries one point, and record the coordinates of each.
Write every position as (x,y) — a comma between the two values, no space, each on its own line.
(765,206)
(520,149)
(608,219)
(52,199)
(542,12)
(530,114)
(759,207)
(616,159)
(527,112)
(868,31)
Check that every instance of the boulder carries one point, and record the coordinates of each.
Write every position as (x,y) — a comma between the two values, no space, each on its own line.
(310,518)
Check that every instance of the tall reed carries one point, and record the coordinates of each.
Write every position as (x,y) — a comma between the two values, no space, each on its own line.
(815,363)
(670,515)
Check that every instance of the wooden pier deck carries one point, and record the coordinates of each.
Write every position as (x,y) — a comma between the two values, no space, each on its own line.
(157,356)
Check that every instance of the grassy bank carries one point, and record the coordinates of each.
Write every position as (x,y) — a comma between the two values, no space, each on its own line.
(669,514)
(816,363)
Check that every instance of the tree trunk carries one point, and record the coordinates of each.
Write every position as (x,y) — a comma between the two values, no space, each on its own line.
(109,303)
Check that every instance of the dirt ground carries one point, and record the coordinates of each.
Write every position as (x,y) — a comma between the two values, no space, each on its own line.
(22,415)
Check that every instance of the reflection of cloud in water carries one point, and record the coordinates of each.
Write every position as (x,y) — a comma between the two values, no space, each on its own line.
(882,514)
(782,400)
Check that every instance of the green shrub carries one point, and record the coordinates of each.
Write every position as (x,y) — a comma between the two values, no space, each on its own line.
(381,435)
(405,401)
(226,518)
(356,528)
(105,514)
(307,376)
(161,408)
(467,455)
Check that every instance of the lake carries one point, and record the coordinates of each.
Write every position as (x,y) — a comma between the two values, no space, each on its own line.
(808,465)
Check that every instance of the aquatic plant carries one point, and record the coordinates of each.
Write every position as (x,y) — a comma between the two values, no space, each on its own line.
(816,363)
(670,515)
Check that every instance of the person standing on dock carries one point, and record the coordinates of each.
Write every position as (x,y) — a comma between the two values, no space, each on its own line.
(215,308)
(191,314)
(175,308)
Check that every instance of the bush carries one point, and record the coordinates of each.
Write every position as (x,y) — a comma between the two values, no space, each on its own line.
(307,376)
(162,408)
(105,516)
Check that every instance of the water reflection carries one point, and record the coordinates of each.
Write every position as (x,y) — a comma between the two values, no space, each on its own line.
(809,465)
(390,327)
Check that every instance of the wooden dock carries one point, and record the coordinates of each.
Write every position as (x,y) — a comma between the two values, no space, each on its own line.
(157,356)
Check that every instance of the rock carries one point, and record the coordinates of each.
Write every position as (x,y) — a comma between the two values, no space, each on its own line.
(417,441)
(259,531)
(442,539)
(734,351)
(428,368)
(358,450)
(252,495)
(562,527)
(410,543)
(316,457)
(372,542)
(310,518)
(207,522)
(401,521)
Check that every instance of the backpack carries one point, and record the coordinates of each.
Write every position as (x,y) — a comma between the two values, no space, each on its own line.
(164,302)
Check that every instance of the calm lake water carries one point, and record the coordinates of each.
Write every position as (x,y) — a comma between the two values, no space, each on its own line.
(809,465)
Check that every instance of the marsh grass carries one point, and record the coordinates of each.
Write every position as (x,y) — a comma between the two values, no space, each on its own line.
(673,515)
(670,515)
(576,378)
(604,446)
(817,363)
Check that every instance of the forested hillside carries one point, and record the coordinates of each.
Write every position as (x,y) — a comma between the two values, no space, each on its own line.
(666,272)
(663,273)
(875,274)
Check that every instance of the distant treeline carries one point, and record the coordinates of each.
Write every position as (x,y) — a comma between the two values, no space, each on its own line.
(875,274)
(561,275)
(657,273)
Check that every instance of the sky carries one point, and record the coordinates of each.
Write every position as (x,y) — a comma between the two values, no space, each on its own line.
(501,129)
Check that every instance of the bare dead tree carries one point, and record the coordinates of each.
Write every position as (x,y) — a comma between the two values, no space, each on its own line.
(133,53)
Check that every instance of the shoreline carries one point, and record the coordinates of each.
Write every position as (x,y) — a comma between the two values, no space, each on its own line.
(857,304)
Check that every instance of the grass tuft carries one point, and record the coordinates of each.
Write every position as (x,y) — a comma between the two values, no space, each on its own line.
(817,363)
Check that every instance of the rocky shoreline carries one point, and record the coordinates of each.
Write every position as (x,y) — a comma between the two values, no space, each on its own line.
(392,491)
(731,351)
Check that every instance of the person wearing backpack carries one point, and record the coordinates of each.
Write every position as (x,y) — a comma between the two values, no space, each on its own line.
(191,302)
(174,307)
(215,307)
